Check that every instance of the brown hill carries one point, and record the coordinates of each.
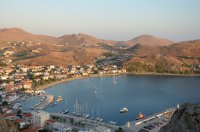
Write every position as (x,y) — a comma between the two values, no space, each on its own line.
(70,56)
(186,48)
(180,56)
(16,34)
(146,48)
(82,39)
(149,40)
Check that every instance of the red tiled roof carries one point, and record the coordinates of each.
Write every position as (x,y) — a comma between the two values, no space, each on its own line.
(19,120)
(33,129)
(27,115)
(9,115)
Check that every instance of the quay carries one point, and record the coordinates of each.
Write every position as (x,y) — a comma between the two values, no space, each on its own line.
(44,103)
(152,123)
(88,123)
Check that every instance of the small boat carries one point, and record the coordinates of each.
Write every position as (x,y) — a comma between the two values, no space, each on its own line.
(140,116)
(53,104)
(112,122)
(95,91)
(114,81)
(123,110)
(59,98)
(87,116)
(99,119)
(65,112)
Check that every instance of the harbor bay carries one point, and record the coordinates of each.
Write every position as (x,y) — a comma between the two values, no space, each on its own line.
(103,97)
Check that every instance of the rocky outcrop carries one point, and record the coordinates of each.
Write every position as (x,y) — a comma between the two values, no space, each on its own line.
(185,119)
(6,126)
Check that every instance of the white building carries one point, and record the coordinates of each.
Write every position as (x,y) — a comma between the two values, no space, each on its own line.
(40,117)
(4,77)
(58,127)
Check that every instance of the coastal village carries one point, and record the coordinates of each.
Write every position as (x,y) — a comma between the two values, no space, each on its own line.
(20,82)
(99,66)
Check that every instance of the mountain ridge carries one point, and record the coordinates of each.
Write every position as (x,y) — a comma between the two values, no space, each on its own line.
(18,34)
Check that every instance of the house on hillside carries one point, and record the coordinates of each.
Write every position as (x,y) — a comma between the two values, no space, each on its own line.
(8,53)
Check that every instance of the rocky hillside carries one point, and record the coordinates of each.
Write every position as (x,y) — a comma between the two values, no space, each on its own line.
(186,119)
(176,58)
(157,54)
(6,126)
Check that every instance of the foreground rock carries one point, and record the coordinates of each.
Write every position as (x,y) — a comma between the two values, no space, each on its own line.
(6,126)
(185,119)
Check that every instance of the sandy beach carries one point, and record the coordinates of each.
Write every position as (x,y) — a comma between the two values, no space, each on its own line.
(74,78)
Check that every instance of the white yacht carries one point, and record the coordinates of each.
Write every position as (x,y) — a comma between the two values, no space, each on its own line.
(123,110)
(65,112)
(112,122)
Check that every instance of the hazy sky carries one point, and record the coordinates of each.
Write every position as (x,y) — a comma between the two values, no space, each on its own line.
(109,19)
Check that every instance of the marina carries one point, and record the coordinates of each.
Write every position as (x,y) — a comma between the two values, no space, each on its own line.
(105,99)
(78,98)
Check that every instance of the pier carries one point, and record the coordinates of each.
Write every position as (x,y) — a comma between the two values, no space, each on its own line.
(153,122)
(88,123)
(44,103)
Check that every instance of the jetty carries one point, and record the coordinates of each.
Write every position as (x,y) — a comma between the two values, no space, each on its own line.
(44,103)
(88,122)
(152,122)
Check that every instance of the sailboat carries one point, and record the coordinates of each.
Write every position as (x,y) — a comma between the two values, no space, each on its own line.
(112,122)
(92,114)
(86,109)
(114,81)
(98,117)
(74,112)
(65,111)
(95,91)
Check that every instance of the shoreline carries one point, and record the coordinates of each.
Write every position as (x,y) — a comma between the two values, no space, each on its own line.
(72,79)
(162,74)
(117,74)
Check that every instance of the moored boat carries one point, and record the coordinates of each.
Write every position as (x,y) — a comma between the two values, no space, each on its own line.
(123,110)
(65,112)
(59,98)
(112,122)
(140,116)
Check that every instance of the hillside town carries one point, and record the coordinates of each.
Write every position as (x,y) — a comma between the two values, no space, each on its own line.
(20,82)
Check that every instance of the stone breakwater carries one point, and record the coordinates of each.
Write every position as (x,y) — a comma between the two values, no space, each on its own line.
(45,102)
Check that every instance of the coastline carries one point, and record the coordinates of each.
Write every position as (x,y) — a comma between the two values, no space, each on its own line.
(104,75)
(163,74)
(72,79)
